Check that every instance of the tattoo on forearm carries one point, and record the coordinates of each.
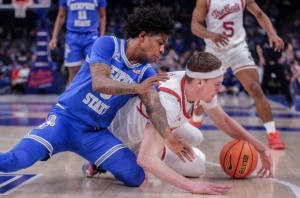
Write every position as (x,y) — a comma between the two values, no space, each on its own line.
(114,89)
(103,83)
(156,113)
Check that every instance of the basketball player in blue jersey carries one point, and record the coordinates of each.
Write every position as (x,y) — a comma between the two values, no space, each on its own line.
(114,71)
(83,18)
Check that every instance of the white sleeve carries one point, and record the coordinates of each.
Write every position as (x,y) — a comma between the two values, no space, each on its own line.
(171,105)
(211,104)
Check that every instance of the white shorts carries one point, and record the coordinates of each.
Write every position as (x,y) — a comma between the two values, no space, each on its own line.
(238,58)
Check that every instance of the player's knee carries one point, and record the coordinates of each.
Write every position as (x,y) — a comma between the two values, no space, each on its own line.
(126,169)
(133,176)
(256,90)
(199,171)
(199,163)
(196,140)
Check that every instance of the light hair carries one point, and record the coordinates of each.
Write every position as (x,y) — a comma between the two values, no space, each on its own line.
(203,62)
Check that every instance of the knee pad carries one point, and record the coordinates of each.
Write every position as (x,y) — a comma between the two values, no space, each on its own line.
(199,163)
(192,135)
(196,168)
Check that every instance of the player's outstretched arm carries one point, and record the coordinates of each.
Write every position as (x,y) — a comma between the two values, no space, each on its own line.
(102,83)
(236,131)
(157,115)
(148,159)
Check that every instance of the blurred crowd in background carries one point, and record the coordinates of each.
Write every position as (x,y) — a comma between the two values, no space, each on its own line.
(17,41)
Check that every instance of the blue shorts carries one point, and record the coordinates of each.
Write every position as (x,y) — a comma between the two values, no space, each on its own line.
(77,46)
(61,133)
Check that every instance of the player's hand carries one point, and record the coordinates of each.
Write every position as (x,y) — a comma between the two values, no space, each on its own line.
(279,44)
(155,80)
(219,39)
(262,62)
(177,145)
(209,188)
(52,44)
(267,168)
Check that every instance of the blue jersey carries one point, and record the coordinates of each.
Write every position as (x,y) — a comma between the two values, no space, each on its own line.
(82,15)
(96,109)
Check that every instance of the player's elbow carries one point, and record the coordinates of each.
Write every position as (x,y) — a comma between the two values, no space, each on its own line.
(193,28)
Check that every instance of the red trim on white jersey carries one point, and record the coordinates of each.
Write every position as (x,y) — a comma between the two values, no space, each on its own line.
(163,154)
(140,109)
(183,100)
(243,4)
(208,5)
(243,68)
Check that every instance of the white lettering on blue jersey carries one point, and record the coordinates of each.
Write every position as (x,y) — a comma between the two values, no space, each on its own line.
(81,6)
(78,23)
(121,76)
(94,103)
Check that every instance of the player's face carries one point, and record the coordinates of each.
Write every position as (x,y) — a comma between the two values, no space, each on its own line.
(153,46)
(210,88)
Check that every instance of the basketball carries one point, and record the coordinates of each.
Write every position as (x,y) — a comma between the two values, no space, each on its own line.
(238,158)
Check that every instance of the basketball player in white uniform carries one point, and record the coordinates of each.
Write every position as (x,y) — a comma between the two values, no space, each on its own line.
(224,36)
(177,96)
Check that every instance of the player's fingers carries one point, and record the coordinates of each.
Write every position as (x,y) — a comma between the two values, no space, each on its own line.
(179,139)
(186,156)
(271,174)
(158,78)
(190,151)
(221,186)
(263,173)
(226,39)
(259,171)
(220,190)
(163,75)
(224,43)
(180,157)
(279,46)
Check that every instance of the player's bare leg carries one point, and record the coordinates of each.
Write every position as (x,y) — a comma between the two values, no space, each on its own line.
(250,81)
(72,72)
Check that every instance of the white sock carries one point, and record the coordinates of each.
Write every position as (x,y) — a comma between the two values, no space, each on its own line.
(270,127)
(197,118)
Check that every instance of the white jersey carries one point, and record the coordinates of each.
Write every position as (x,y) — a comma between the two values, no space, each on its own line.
(226,17)
(130,121)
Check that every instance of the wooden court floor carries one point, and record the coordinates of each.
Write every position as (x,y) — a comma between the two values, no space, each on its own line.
(61,177)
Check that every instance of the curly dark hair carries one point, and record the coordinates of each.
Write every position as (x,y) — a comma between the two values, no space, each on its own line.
(152,19)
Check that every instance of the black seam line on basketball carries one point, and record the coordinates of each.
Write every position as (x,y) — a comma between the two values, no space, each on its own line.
(226,155)
(239,158)
(251,161)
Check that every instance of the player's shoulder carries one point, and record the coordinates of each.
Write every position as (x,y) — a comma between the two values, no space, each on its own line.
(107,41)
(176,74)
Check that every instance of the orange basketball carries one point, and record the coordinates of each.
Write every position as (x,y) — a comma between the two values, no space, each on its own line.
(238,158)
